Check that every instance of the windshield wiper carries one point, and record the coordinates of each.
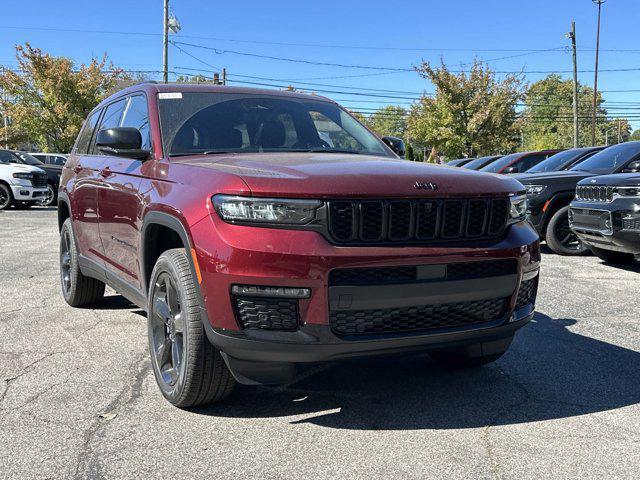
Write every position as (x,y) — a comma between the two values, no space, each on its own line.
(211,152)
(325,150)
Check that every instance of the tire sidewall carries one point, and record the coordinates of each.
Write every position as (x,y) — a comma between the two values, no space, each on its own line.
(173,393)
(73,254)
(10,196)
(553,242)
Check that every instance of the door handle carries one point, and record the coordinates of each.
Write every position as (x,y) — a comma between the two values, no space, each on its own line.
(105,172)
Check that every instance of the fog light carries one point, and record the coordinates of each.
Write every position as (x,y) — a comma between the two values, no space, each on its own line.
(24,192)
(277,292)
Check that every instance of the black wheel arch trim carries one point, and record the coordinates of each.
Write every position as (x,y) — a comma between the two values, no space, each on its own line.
(156,217)
(557,198)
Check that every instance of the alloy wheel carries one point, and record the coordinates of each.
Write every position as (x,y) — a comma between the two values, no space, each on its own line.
(47,200)
(566,237)
(167,329)
(4,198)
(65,261)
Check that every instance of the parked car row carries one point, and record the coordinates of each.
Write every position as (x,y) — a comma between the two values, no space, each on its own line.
(603,217)
(27,179)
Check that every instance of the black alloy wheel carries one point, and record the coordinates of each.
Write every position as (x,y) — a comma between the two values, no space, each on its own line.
(167,330)
(5,197)
(559,236)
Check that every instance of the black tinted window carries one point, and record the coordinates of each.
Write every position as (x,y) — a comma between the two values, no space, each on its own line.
(528,162)
(610,159)
(82,144)
(136,115)
(7,157)
(110,119)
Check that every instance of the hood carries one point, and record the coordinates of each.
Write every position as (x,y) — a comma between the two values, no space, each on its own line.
(331,175)
(19,167)
(620,179)
(547,178)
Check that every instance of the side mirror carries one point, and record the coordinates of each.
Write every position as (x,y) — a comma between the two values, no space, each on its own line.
(121,142)
(396,144)
(511,169)
(633,167)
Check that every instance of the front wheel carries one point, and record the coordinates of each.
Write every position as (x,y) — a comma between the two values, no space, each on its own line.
(559,236)
(6,197)
(189,371)
(613,257)
(50,199)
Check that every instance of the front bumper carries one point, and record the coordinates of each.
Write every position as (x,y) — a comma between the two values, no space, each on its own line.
(23,193)
(230,255)
(608,225)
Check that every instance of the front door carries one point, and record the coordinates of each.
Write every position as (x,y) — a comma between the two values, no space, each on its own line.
(120,203)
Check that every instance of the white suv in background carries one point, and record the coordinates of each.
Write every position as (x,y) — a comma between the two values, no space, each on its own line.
(20,185)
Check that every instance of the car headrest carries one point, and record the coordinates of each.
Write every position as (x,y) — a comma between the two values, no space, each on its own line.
(272,135)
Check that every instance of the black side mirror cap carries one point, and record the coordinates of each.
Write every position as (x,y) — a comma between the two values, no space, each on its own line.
(396,144)
(121,142)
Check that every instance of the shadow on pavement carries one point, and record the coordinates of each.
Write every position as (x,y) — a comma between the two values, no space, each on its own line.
(549,372)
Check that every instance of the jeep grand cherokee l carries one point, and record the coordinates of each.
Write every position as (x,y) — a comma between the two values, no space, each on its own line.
(606,216)
(262,230)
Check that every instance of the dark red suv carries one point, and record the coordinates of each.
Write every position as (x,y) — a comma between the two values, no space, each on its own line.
(262,230)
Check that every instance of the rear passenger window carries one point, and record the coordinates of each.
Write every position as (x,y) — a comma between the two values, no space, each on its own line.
(136,115)
(82,144)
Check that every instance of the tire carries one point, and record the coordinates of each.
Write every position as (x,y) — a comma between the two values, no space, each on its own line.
(189,370)
(77,290)
(6,197)
(612,257)
(52,197)
(559,236)
(472,356)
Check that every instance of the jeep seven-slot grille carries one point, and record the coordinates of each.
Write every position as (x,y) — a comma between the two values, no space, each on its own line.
(416,319)
(594,193)
(411,274)
(416,221)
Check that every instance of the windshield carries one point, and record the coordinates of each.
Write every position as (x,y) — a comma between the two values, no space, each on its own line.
(28,159)
(478,162)
(610,159)
(499,164)
(556,162)
(203,122)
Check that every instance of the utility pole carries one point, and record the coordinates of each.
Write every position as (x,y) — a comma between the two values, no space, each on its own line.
(5,118)
(224,76)
(572,36)
(165,43)
(595,80)
(619,131)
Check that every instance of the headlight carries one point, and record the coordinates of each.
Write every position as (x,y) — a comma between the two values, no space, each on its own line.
(24,176)
(628,191)
(265,210)
(535,189)
(518,210)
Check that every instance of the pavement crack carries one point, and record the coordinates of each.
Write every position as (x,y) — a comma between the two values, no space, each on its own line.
(87,463)
(30,367)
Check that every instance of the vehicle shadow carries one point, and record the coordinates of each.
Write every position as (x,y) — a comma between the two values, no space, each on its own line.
(634,267)
(549,373)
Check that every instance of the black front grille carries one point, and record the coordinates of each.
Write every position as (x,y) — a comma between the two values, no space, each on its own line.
(416,221)
(416,319)
(594,193)
(39,180)
(631,224)
(267,313)
(527,293)
(412,274)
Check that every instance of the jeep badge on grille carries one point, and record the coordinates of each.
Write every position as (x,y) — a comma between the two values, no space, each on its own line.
(425,186)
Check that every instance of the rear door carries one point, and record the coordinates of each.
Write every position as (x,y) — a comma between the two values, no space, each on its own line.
(120,204)
(83,192)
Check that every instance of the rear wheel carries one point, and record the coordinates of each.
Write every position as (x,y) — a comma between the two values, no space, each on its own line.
(188,369)
(6,197)
(559,236)
(615,258)
(472,356)
(77,290)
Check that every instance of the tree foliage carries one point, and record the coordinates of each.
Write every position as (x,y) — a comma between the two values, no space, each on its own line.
(547,119)
(48,100)
(388,121)
(635,135)
(471,113)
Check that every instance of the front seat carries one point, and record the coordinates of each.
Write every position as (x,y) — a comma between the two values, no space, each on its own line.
(272,134)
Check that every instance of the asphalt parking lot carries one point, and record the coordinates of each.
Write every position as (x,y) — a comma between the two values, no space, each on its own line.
(78,398)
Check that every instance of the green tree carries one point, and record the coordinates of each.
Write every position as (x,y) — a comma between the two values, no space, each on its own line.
(471,113)
(547,119)
(49,97)
(409,155)
(635,135)
(390,120)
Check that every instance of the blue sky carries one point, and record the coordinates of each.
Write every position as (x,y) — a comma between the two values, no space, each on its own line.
(390,35)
